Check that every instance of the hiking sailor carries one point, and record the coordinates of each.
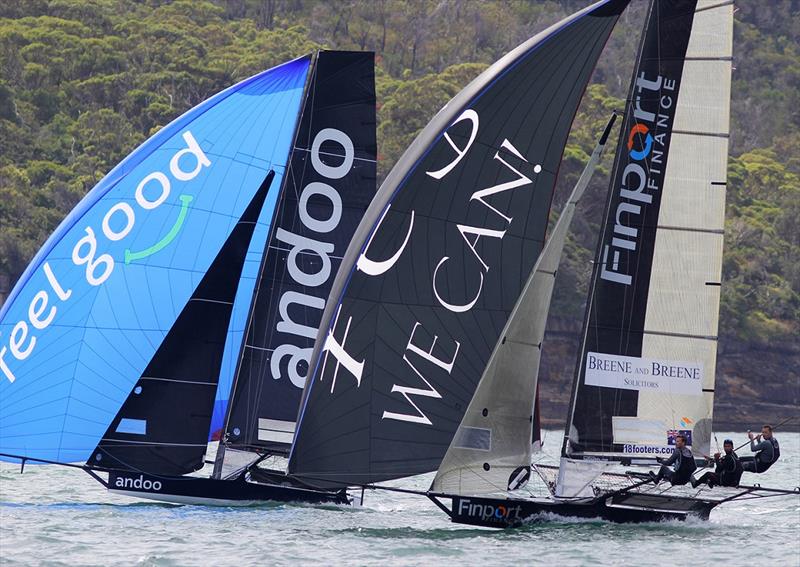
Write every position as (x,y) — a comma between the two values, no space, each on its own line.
(766,451)
(683,462)
(728,470)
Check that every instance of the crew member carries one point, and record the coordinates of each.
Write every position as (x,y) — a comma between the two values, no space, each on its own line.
(728,470)
(767,451)
(682,461)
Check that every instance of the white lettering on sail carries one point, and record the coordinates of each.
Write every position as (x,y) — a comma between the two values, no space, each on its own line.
(449,306)
(130,219)
(300,244)
(477,232)
(639,175)
(19,334)
(35,312)
(378,267)
(91,262)
(99,268)
(317,225)
(4,366)
(332,172)
(342,357)
(62,294)
(519,182)
(286,324)
(430,391)
(194,149)
(166,187)
(472,116)
(298,355)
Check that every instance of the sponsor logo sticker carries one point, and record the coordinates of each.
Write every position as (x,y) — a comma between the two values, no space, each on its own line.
(643,374)
(489,512)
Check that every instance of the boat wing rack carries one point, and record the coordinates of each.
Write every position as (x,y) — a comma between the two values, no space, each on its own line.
(632,482)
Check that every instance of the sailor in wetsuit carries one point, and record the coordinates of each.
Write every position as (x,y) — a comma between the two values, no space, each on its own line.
(728,471)
(766,451)
(683,462)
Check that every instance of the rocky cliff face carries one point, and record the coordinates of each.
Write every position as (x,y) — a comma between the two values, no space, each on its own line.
(754,385)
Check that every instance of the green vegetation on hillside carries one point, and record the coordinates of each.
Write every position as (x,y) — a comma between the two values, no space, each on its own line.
(83,82)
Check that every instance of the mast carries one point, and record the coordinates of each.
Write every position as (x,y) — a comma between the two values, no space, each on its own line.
(438,263)
(646,364)
(606,213)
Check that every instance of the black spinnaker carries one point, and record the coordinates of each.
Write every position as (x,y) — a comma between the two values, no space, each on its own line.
(439,261)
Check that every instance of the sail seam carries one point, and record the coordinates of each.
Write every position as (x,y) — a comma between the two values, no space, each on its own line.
(331,154)
(178,381)
(721,58)
(118,442)
(259,348)
(205,300)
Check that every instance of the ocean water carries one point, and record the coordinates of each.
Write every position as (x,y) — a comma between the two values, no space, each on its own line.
(58,516)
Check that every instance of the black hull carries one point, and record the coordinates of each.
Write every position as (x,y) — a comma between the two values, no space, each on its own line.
(627,508)
(215,492)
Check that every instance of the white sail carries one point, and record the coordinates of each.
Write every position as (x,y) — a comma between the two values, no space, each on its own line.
(683,302)
(491,450)
(648,358)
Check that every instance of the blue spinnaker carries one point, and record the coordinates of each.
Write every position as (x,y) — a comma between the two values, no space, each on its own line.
(89,312)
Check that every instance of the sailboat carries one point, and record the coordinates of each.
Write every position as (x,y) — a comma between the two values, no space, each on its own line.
(645,369)
(115,334)
(416,305)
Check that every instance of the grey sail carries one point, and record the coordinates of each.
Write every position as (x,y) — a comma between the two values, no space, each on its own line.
(491,450)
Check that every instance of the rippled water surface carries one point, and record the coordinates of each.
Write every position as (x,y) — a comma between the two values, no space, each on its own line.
(57,516)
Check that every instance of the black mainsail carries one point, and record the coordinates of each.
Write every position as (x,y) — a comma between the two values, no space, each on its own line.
(329,184)
(647,361)
(439,261)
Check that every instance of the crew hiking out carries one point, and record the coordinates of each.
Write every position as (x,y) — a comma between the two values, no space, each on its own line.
(728,471)
(767,451)
(682,461)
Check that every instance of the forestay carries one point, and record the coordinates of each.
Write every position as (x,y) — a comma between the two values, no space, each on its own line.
(491,451)
(439,261)
(88,314)
(647,361)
